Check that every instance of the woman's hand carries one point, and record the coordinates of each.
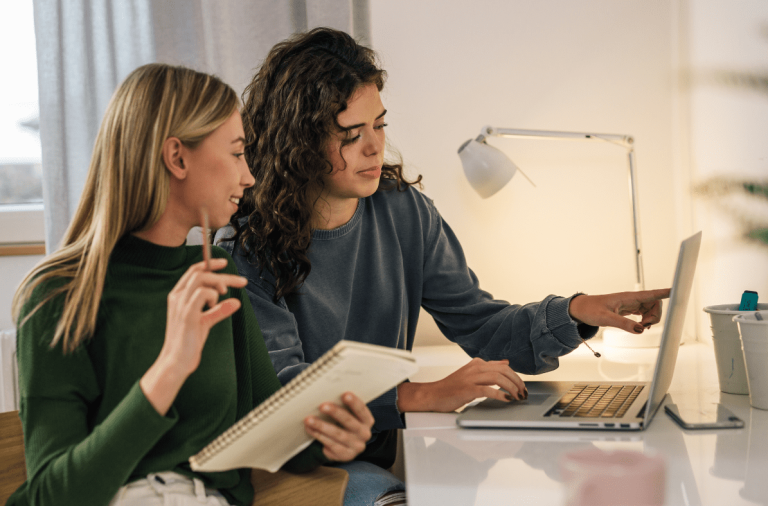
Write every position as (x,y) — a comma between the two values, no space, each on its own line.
(609,310)
(344,440)
(187,328)
(476,379)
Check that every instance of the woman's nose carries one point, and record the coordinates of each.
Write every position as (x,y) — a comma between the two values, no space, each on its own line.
(375,144)
(247,178)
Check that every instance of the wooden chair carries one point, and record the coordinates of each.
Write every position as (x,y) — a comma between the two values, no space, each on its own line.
(323,486)
(13,471)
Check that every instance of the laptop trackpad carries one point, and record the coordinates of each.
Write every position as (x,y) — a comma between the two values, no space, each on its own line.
(535,399)
(532,400)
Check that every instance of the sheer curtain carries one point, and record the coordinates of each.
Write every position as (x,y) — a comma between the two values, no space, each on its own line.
(85,48)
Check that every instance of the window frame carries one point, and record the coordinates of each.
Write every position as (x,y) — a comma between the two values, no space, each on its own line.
(23,229)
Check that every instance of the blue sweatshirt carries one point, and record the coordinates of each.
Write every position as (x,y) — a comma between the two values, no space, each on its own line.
(369,279)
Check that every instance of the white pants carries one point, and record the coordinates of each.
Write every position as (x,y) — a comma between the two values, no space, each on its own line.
(167,489)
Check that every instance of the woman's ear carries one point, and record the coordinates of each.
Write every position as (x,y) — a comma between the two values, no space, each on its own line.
(172,156)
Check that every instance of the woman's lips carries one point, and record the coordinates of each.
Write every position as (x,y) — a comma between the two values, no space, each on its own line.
(372,173)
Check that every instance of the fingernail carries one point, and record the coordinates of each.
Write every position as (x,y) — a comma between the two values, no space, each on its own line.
(526,393)
(348,398)
(639,329)
(325,408)
(311,421)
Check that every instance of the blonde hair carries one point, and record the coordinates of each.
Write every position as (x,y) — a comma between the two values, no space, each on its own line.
(127,187)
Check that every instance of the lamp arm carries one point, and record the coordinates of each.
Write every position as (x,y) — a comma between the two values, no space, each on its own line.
(640,274)
(489,131)
(626,141)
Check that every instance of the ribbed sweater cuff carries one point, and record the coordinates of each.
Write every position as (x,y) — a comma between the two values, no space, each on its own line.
(137,409)
(563,327)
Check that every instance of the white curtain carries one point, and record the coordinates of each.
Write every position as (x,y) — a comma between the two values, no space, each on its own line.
(85,48)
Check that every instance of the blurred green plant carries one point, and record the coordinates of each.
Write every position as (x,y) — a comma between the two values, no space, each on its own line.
(760,233)
(746,201)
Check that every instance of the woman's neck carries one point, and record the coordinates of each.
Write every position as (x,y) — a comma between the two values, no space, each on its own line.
(168,231)
(332,213)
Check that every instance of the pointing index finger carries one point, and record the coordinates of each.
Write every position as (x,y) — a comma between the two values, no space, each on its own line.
(651,295)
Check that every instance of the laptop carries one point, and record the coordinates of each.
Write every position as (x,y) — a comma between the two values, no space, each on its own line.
(599,405)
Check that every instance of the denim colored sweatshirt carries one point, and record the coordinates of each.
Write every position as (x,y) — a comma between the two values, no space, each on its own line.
(371,276)
(89,429)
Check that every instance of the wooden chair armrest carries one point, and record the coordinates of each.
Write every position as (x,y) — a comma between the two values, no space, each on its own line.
(13,469)
(325,486)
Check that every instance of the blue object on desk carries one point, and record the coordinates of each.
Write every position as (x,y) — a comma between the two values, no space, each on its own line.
(748,301)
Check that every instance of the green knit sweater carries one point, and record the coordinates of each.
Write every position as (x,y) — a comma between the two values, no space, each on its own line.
(89,429)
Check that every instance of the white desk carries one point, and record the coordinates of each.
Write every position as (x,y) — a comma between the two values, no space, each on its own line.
(450,466)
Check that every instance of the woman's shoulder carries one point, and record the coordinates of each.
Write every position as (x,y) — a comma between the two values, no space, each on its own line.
(240,258)
(43,305)
(412,213)
(406,198)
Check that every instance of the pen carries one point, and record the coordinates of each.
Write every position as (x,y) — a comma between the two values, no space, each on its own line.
(206,245)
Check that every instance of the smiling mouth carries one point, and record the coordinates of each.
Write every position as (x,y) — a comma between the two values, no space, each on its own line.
(235,200)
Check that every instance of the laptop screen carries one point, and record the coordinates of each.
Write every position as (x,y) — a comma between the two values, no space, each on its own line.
(673,325)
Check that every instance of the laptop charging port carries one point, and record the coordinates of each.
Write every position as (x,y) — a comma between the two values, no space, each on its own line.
(625,425)
(610,424)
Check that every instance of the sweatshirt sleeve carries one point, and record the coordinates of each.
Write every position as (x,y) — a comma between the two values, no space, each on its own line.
(276,322)
(262,377)
(530,336)
(59,395)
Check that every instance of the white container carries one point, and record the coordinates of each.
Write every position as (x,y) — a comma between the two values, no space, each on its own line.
(754,342)
(731,372)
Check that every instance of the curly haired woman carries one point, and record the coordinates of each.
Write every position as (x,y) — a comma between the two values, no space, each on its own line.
(337,243)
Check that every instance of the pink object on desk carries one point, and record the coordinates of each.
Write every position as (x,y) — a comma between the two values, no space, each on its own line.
(596,478)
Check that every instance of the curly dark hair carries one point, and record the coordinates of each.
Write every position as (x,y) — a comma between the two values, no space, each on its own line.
(289,115)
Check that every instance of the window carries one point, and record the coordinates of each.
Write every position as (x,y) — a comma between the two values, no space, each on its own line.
(21,194)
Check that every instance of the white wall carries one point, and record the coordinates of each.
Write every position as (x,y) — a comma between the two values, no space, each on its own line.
(606,66)
(729,138)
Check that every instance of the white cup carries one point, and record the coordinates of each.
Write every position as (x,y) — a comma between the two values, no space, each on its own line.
(729,356)
(754,342)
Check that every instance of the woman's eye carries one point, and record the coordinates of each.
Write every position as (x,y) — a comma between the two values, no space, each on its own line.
(379,127)
(238,155)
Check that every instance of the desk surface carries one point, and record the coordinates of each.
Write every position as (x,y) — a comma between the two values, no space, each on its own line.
(452,466)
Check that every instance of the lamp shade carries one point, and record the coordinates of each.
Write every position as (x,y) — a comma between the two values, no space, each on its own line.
(487,169)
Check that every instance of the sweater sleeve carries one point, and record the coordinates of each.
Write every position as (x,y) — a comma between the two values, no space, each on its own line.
(59,395)
(262,377)
(530,336)
(277,324)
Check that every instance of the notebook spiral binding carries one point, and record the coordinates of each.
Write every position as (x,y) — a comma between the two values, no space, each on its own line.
(265,409)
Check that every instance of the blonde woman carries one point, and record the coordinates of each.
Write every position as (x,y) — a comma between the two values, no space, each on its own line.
(133,355)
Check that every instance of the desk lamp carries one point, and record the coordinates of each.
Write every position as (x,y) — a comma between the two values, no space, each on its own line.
(488,169)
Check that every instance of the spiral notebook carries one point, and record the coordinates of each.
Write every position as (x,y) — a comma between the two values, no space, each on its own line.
(273,432)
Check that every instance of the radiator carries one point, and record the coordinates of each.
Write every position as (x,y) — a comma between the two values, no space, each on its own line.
(9,372)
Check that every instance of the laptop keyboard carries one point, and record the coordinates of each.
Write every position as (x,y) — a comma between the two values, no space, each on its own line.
(596,401)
